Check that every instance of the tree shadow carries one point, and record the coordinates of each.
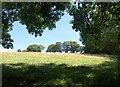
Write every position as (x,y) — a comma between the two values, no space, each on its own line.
(26,75)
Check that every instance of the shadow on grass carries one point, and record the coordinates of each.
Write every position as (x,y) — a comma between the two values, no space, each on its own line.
(25,75)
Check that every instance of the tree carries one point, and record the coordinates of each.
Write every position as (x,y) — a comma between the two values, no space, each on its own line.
(66,46)
(35,48)
(93,19)
(57,47)
(50,48)
(71,46)
(106,45)
(36,16)
(19,50)
(74,46)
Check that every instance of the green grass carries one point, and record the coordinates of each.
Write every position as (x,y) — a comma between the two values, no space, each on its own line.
(41,58)
(36,69)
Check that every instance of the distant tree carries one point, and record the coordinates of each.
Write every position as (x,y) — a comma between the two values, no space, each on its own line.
(74,46)
(35,48)
(50,48)
(57,47)
(24,51)
(66,46)
(71,46)
(19,50)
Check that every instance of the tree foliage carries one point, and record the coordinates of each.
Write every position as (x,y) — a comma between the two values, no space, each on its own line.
(67,46)
(71,46)
(106,45)
(36,16)
(35,48)
(91,19)
(95,21)
(19,50)
(57,47)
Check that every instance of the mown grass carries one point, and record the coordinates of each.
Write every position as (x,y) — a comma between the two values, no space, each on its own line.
(43,69)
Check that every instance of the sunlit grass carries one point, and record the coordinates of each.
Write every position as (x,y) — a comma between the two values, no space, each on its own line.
(57,58)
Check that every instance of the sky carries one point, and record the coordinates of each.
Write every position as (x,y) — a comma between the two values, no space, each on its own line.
(62,32)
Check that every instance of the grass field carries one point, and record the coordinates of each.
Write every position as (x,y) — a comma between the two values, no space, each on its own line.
(37,69)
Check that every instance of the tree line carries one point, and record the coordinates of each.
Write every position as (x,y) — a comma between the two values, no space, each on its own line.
(98,23)
(33,48)
(67,46)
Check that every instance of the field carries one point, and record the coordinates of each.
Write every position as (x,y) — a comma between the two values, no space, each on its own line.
(27,69)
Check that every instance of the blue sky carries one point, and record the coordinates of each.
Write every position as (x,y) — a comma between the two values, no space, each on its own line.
(62,32)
